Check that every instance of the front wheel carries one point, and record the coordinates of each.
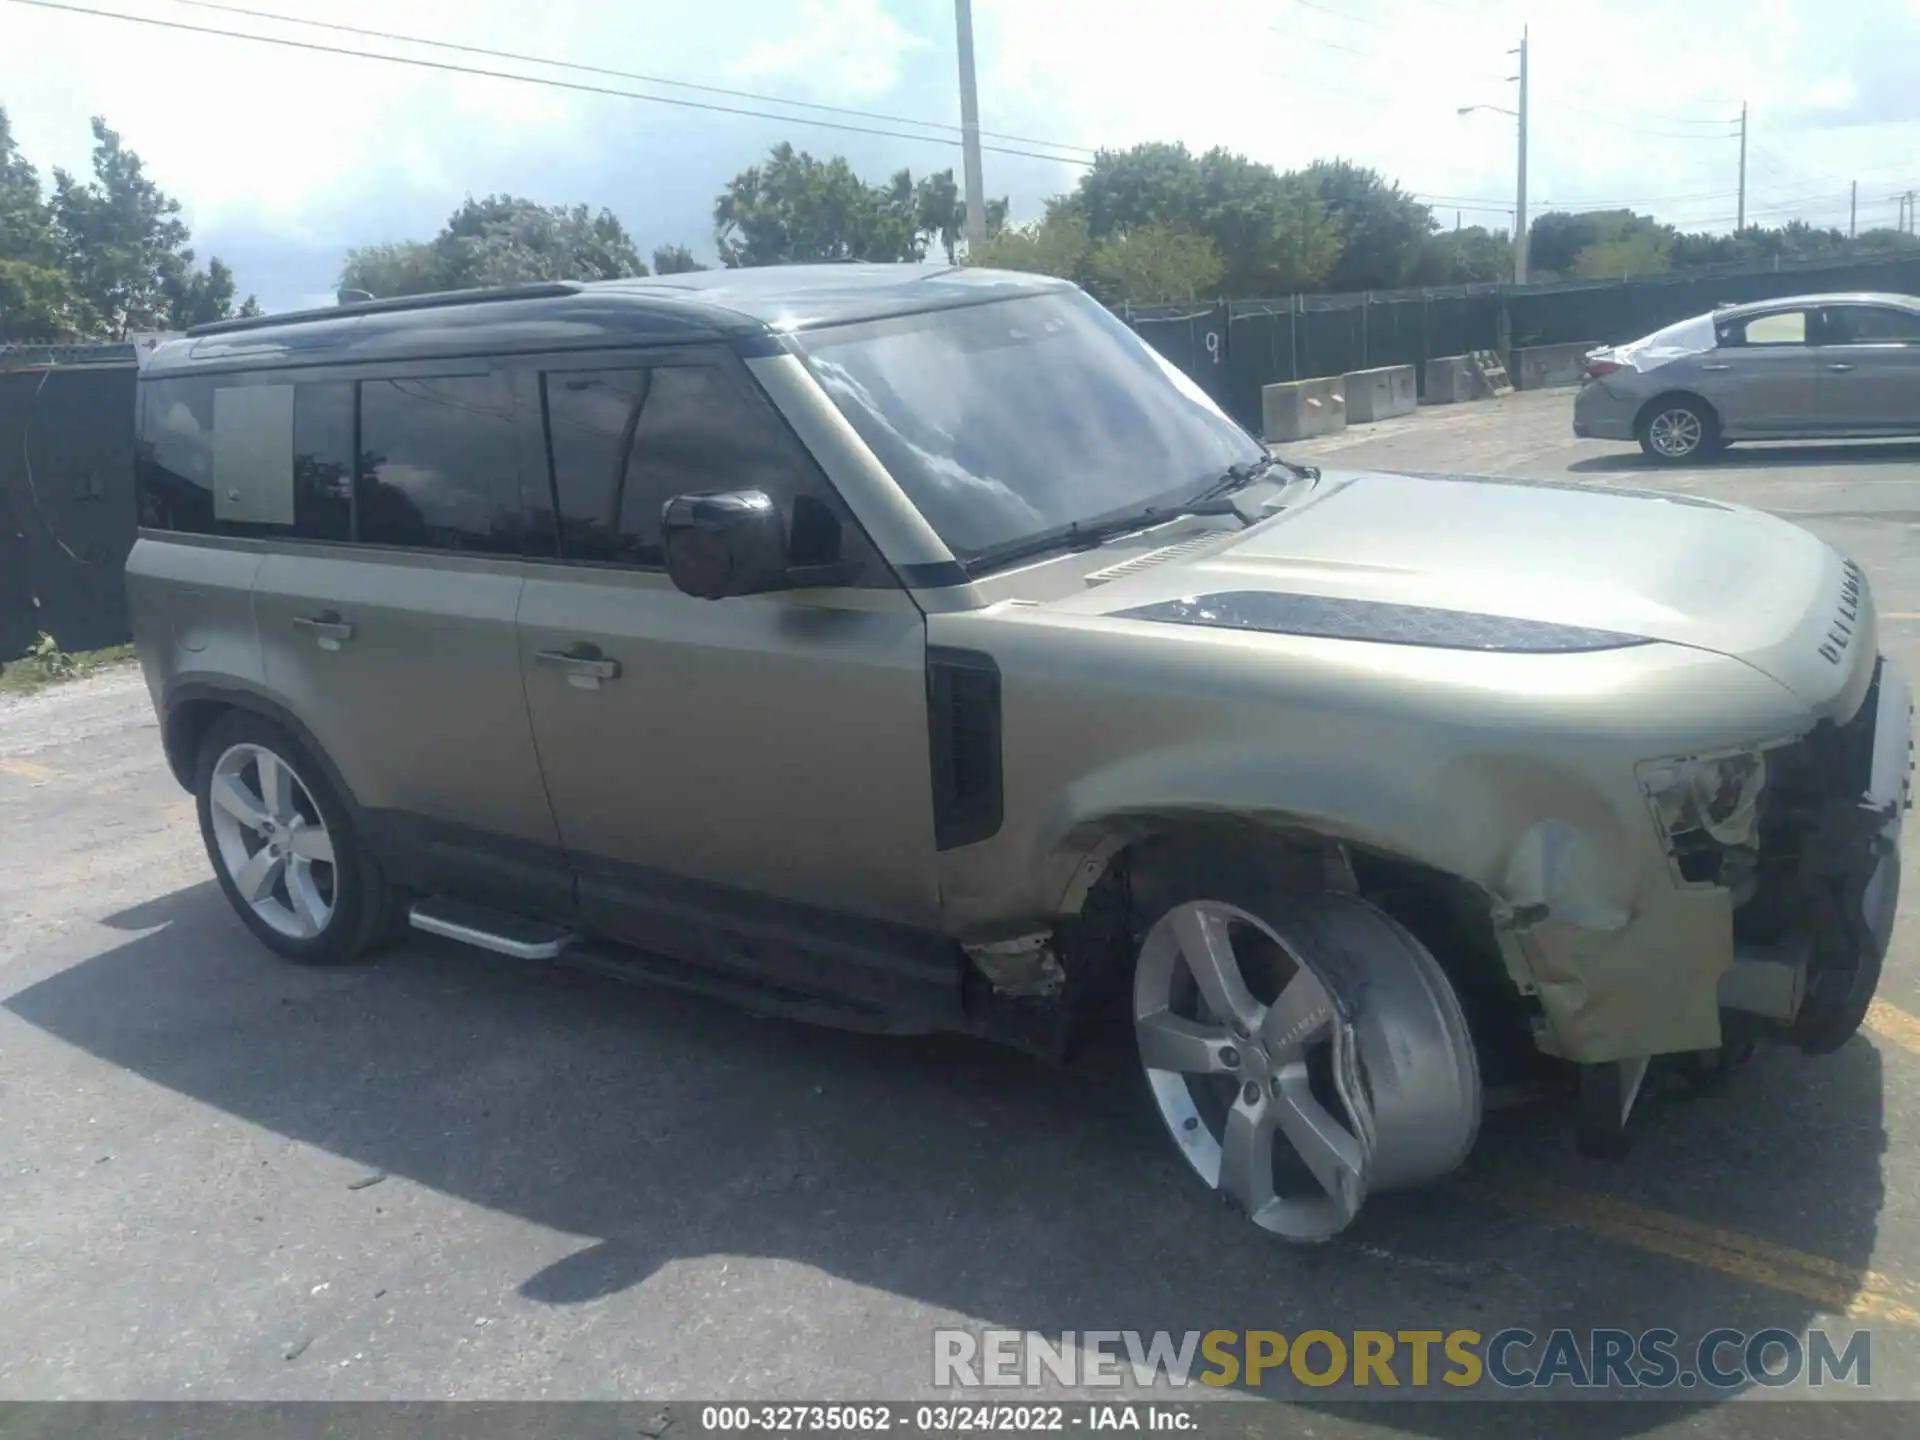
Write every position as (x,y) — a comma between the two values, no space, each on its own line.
(1303,1052)
(1677,431)
(284,847)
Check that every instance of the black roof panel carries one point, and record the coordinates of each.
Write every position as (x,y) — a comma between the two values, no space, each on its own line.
(667,309)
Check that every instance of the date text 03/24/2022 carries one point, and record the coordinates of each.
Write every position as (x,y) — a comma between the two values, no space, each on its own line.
(944,1417)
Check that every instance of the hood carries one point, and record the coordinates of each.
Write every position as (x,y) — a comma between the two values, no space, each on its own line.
(1603,566)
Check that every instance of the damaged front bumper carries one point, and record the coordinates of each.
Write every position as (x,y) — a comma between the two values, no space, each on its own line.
(1810,943)
(1786,937)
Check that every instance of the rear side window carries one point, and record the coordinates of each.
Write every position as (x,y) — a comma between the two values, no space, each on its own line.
(624,442)
(422,462)
(221,456)
(437,464)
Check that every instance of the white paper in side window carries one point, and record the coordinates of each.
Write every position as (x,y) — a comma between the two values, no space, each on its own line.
(1689,337)
(253,454)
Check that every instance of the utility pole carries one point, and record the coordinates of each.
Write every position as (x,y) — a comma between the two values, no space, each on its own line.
(1910,219)
(1520,186)
(1853,210)
(970,131)
(1741,223)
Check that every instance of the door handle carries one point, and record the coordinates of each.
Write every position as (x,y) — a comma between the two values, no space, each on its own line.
(1839,367)
(329,631)
(583,666)
(1716,367)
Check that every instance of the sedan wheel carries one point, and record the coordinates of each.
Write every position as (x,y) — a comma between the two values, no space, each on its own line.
(1679,431)
(273,841)
(1303,1059)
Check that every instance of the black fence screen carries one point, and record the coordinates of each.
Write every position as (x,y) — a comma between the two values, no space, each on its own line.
(1235,347)
(66,498)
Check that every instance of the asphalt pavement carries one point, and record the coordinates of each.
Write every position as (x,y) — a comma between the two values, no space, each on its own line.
(450,1175)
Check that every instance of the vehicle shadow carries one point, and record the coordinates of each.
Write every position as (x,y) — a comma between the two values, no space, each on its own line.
(1770,456)
(947,1171)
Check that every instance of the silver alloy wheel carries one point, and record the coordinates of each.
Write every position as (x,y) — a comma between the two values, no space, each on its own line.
(1299,1082)
(1676,433)
(273,840)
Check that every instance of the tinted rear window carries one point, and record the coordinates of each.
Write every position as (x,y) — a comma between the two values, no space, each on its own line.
(261,455)
(176,460)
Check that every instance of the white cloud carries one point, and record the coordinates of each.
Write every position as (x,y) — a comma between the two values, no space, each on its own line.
(310,152)
(851,50)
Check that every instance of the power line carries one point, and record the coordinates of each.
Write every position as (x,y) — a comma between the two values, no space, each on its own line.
(547,81)
(584,69)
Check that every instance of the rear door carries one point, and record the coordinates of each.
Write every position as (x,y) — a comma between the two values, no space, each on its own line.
(717,753)
(395,644)
(1764,378)
(1870,359)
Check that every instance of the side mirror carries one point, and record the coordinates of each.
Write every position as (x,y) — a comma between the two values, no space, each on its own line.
(730,543)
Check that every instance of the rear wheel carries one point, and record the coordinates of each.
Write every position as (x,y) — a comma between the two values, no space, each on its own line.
(1303,1053)
(1675,431)
(284,847)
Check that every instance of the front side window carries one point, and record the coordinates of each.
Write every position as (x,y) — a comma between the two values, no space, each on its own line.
(437,463)
(1871,325)
(624,442)
(1011,420)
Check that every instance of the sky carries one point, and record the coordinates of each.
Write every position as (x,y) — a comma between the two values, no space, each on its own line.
(284,158)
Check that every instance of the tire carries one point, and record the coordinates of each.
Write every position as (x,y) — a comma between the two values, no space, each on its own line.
(272,823)
(1678,431)
(1346,1066)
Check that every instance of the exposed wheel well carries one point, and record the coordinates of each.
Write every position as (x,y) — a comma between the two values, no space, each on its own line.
(187,724)
(1669,397)
(1452,918)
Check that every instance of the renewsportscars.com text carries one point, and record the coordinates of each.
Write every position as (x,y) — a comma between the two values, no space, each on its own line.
(1508,1359)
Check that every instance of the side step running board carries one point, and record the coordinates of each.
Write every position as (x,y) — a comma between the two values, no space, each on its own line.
(476,925)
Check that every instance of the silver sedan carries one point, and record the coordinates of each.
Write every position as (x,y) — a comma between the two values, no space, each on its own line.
(1804,367)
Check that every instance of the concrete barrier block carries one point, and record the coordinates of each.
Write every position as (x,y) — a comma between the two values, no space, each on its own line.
(1302,409)
(1380,394)
(1540,367)
(1451,379)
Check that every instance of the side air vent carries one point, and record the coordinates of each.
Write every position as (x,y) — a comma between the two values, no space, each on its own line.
(963,730)
(1137,563)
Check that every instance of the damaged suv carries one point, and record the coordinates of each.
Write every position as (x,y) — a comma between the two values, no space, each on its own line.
(914,649)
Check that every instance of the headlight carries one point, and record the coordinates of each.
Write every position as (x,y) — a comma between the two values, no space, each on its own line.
(1720,797)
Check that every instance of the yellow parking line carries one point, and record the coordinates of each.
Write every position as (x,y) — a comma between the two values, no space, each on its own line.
(1841,1289)
(1890,1022)
(1900,614)
(27,770)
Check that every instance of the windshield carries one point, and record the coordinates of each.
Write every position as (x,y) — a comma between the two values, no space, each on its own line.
(1013,419)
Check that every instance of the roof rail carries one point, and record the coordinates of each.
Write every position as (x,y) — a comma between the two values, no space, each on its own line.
(545,290)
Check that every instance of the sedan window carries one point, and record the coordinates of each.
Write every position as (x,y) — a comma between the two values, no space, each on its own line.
(1784,327)
(1871,325)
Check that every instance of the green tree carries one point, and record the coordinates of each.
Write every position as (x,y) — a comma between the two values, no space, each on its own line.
(396,267)
(1382,228)
(674,260)
(1057,245)
(501,240)
(1154,263)
(1469,256)
(1638,251)
(794,208)
(37,298)
(1273,233)
(124,247)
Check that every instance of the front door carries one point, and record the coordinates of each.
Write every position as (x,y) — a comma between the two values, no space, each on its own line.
(717,755)
(1870,358)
